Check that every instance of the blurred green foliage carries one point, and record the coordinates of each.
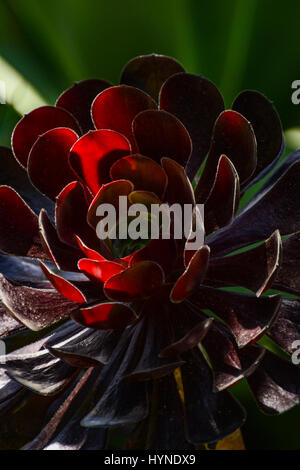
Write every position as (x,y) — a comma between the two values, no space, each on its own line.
(238,44)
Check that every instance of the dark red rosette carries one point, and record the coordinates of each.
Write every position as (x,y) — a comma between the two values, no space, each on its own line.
(95,329)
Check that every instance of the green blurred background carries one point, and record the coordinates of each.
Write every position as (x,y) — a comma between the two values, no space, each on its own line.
(46,45)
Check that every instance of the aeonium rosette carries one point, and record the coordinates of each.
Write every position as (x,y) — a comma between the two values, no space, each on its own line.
(108,333)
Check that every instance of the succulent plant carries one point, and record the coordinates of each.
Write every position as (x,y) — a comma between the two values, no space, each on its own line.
(102,334)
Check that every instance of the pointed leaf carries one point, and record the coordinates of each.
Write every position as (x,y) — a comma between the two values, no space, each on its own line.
(99,271)
(39,372)
(286,329)
(247,316)
(192,277)
(223,200)
(90,346)
(230,364)
(254,269)
(92,254)
(287,277)
(234,137)
(64,287)
(64,256)
(189,341)
(275,384)
(109,315)
(39,307)
(278,208)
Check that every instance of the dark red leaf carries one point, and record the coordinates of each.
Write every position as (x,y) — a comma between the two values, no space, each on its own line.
(48,163)
(8,324)
(266,125)
(92,254)
(64,256)
(108,194)
(190,340)
(285,165)
(36,123)
(137,282)
(116,108)
(143,172)
(93,155)
(192,277)
(146,198)
(179,188)
(19,233)
(27,414)
(149,72)
(196,234)
(110,315)
(64,287)
(79,98)
(160,134)
(197,103)
(71,216)
(160,251)
(14,176)
(223,200)
(234,137)
(99,271)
